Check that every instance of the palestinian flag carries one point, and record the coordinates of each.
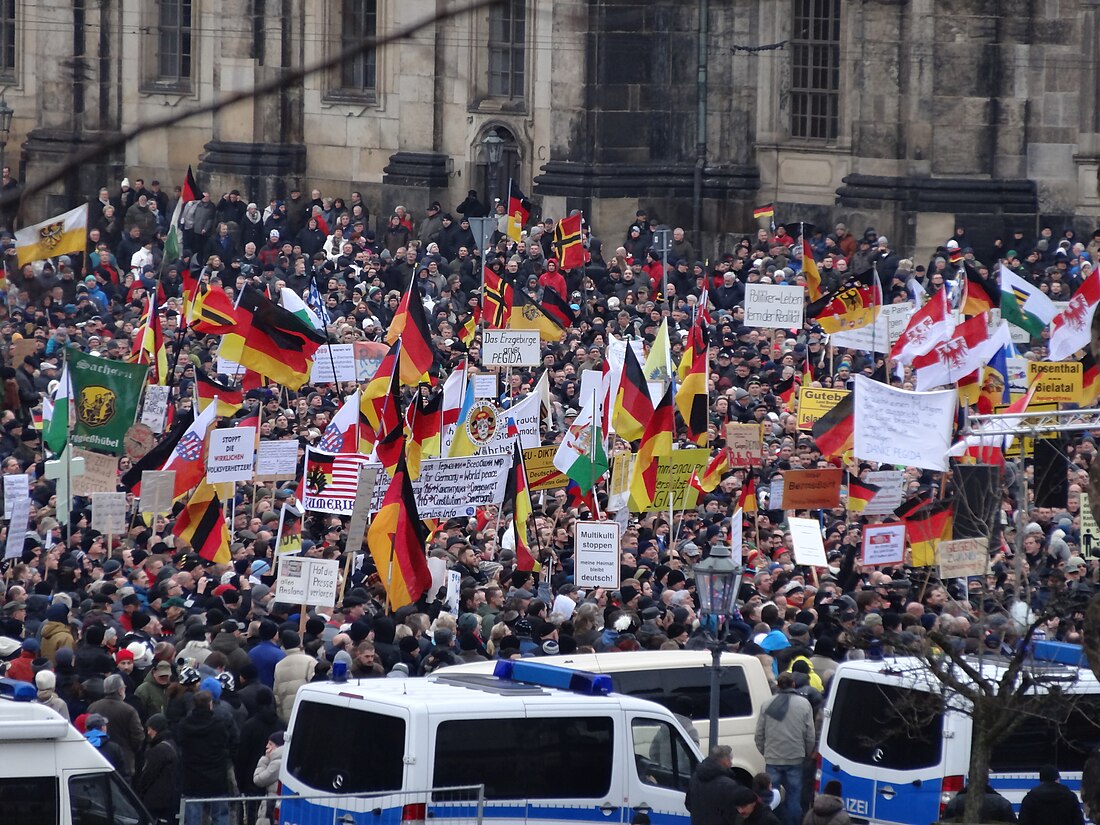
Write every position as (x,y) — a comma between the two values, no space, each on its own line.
(271,340)
(202,525)
(410,326)
(860,494)
(656,442)
(692,395)
(230,400)
(519,211)
(518,494)
(633,405)
(568,242)
(834,432)
(926,528)
(396,542)
(496,303)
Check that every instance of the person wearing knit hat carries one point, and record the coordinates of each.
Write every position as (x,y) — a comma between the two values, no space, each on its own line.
(46,682)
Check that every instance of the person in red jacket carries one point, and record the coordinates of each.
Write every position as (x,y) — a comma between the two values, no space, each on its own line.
(22,668)
(552,279)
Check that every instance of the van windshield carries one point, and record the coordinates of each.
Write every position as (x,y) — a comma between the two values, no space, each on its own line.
(341,750)
(886,726)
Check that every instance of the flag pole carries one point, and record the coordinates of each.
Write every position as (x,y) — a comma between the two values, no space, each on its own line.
(67,451)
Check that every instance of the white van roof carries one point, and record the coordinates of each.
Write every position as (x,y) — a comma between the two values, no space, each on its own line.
(911,671)
(625,660)
(466,692)
(27,721)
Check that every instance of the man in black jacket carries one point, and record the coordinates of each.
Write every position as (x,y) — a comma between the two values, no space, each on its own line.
(1050,801)
(204,743)
(158,783)
(711,796)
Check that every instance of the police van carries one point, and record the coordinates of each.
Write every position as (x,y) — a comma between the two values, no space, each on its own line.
(680,680)
(49,773)
(540,743)
(901,754)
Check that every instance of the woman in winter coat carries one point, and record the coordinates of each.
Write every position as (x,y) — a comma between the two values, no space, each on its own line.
(266,775)
(828,807)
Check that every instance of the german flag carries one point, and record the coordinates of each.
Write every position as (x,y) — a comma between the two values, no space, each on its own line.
(656,441)
(860,494)
(913,504)
(496,303)
(834,432)
(517,492)
(633,406)
(202,525)
(747,502)
(207,389)
(375,401)
(692,394)
(390,448)
(955,256)
(557,308)
(1090,379)
(717,467)
(568,242)
(531,316)
(422,423)
(410,326)
(786,390)
(810,270)
(765,211)
(396,542)
(149,347)
(926,528)
(980,294)
(468,331)
(211,311)
(271,340)
(519,210)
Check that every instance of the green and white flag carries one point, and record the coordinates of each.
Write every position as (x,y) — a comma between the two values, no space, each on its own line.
(292,302)
(55,414)
(105,397)
(581,454)
(1023,304)
(172,245)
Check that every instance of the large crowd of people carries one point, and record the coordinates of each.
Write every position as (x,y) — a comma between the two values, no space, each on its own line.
(183,672)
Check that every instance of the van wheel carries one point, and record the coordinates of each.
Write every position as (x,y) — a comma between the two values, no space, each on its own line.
(743,776)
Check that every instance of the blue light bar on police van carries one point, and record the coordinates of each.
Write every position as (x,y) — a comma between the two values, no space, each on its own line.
(17,690)
(534,673)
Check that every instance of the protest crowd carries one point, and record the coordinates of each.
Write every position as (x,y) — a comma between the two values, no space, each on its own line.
(164,639)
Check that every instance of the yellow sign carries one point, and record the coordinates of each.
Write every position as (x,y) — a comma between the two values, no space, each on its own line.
(1061,381)
(541,472)
(673,475)
(814,402)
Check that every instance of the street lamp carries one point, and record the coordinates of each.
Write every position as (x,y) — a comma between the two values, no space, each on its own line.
(494,151)
(717,581)
(6,114)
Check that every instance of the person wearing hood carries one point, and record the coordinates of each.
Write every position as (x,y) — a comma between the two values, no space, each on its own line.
(56,632)
(92,657)
(46,682)
(710,794)
(786,737)
(828,808)
(158,783)
(95,731)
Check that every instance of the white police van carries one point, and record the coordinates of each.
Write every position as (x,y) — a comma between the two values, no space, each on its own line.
(49,773)
(548,745)
(896,770)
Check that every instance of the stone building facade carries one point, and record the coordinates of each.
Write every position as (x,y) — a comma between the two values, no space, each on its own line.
(906,114)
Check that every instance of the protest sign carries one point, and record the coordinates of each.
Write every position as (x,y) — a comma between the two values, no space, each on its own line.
(368,356)
(360,511)
(596,563)
(276,460)
(890,493)
(879,336)
(883,544)
(811,489)
(1090,533)
(100,473)
(454,592)
(333,363)
(16,486)
(155,407)
(308,581)
(231,455)
(17,528)
(746,444)
(447,487)
(814,402)
(157,490)
(809,548)
(485,385)
(895,426)
(1056,381)
(737,538)
(963,557)
(109,513)
(775,493)
(510,348)
(288,541)
(618,490)
(230,369)
(673,474)
(774,306)
(105,397)
(541,472)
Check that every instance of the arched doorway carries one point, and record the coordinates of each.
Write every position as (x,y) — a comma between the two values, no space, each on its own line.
(509,167)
